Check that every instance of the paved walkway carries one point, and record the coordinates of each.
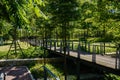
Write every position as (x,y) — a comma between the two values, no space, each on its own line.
(16,73)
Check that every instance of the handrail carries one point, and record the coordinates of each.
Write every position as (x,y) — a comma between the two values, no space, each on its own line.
(53,75)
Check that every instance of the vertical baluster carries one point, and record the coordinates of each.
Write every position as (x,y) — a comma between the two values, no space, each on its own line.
(54,45)
(89,47)
(78,62)
(119,55)
(72,45)
(78,50)
(116,60)
(101,48)
(61,46)
(50,44)
(93,55)
(68,47)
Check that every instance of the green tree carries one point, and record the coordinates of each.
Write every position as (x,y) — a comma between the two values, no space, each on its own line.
(62,13)
(16,13)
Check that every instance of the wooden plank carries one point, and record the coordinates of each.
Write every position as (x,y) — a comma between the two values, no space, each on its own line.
(106,61)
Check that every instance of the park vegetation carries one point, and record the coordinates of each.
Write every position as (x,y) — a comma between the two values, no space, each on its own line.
(91,20)
(85,20)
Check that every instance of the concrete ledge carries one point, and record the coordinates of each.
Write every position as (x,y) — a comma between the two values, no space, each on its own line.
(11,62)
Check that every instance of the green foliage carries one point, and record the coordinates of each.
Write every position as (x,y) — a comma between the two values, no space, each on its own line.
(99,18)
(33,52)
(38,71)
(30,52)
(63,14)
(112,77)
(63,11)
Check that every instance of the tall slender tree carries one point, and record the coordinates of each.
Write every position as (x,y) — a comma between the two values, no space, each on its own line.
(62,13)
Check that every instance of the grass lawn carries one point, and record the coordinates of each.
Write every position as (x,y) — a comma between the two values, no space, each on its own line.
(95,47)
(5,48)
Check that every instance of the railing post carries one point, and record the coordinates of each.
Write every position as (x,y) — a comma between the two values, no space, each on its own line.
(39,42)
(95,49)
(89,47)
(85,42)
(119,55)
(79,50)
(54,45)
(116,60)
(98,49)
(50,44)
(46,43)
(93,55)
(101,52)
(104,49)
(42,43)
(82,43)
(61,46)
(57,42)
(72,45)
(68,48)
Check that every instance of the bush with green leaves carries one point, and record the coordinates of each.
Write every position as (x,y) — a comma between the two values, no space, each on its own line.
(38,71)
(112,77)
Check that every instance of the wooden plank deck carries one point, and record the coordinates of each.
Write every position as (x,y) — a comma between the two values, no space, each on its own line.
(105,60)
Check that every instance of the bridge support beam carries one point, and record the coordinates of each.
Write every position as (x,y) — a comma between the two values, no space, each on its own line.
(78,69)
(78,63)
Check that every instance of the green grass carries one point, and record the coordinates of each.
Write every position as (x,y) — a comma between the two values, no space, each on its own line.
(28,51)
(109,47)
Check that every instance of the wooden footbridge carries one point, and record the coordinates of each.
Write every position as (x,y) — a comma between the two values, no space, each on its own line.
(94,56)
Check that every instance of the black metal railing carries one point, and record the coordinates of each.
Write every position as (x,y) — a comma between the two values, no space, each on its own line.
(46,70)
